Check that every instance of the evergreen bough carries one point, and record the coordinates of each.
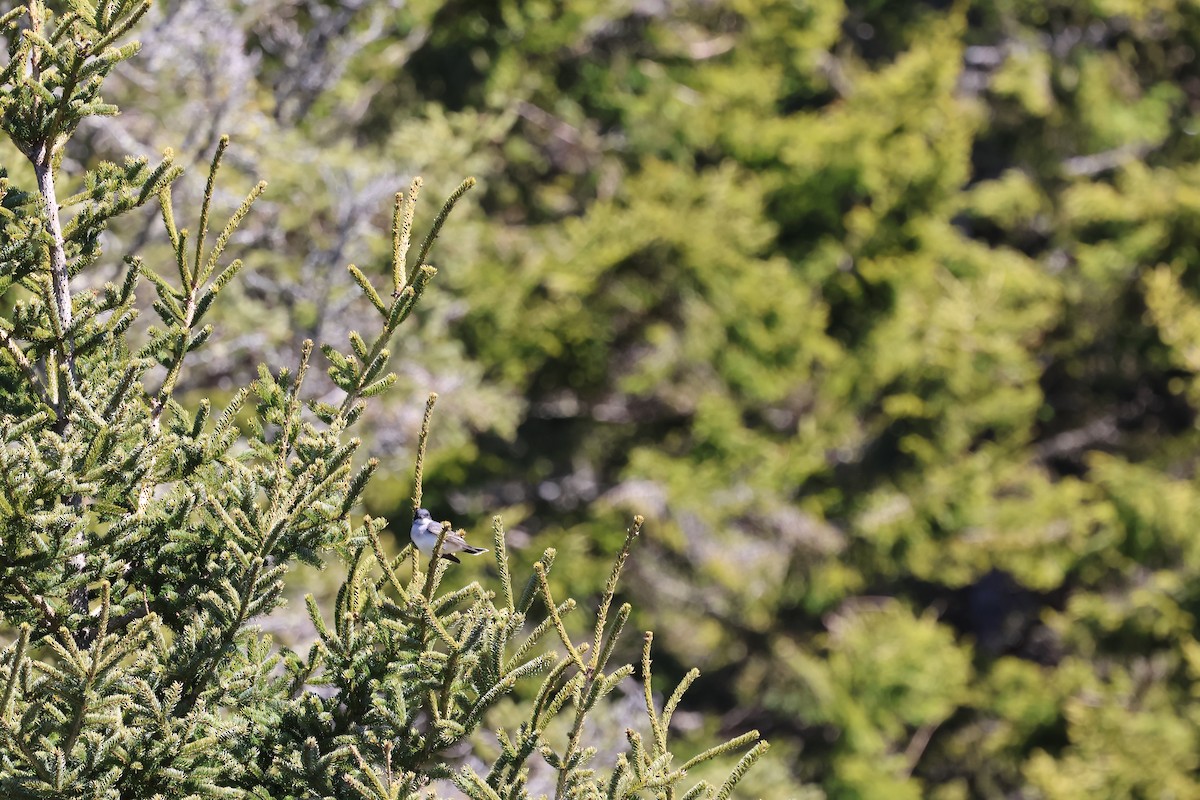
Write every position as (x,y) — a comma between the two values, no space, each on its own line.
(139,538)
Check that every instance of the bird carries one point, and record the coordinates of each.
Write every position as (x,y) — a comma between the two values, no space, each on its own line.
(425,532)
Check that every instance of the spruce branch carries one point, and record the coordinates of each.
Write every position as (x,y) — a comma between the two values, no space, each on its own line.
(617,779)
(656,727)
(362,382)
(432,620)
(52,620)
(550,688)
(501,552)
(402,222)
(89,678)
(168,219)
(384,562)
(16,663)
(364,283)
(721,749)
(613,635)
(232,225)
(440,220)
(739,771)
(610,589)
(283,445)
(445,701)
(701,789)
(677,695)
(539,630)
(533,585)
(206,206)
(198,680)
(31,375)
(422,444)
(193,279)
(10,16)
(114,27)
(474,786)
(552,609)
(592,684)
(56,125)
(638,758)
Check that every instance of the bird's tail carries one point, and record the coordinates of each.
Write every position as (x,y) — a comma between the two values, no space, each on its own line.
(471,551)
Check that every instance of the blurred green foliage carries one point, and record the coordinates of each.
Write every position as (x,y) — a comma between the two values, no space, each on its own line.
(884,314)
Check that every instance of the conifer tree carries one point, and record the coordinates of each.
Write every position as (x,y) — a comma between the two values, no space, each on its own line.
(141,537)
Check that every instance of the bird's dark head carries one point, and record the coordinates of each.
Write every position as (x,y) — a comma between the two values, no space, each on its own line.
(422,514)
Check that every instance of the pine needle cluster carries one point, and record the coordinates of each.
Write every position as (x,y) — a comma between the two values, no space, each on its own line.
(140,538)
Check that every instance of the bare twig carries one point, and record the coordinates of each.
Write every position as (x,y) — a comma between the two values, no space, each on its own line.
(38,602)
(918,743)
(1087,166)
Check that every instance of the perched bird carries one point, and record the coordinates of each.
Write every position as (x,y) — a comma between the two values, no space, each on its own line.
(425,532)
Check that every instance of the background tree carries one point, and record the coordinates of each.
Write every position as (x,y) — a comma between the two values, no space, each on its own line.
(882,313)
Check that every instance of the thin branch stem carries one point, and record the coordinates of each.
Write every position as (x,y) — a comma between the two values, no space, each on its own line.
(916,746)
(37,601)
(422,442)
(43,167)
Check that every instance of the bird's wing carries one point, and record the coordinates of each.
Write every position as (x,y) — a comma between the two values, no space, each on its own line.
(454,540)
